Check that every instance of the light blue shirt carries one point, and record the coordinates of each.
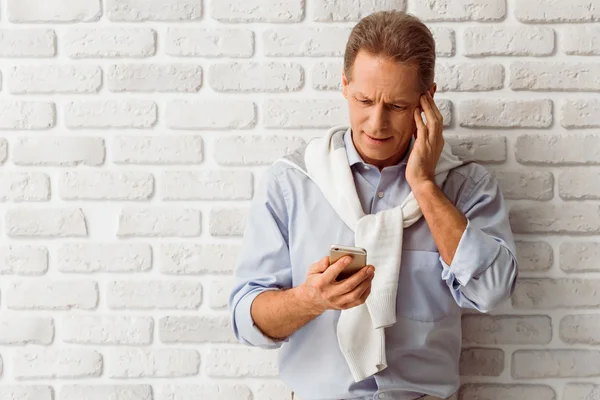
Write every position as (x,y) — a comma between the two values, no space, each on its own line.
(291,226)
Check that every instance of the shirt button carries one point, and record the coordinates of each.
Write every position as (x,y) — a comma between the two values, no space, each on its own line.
(381,395)
(367,167)
(380,195)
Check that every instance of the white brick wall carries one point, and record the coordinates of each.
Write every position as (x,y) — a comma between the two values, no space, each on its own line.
(133,134)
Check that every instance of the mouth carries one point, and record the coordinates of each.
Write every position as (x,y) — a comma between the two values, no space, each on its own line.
(377,140)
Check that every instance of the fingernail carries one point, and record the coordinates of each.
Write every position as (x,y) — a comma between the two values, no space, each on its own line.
(371,271)
(347,260)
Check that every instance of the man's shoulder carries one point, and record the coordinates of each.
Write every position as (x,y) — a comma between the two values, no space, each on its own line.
(471,171)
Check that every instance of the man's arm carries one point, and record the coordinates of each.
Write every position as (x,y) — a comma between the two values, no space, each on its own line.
(476,247)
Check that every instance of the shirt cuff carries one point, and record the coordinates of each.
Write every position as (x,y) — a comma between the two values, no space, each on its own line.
(476,251)
(248,329)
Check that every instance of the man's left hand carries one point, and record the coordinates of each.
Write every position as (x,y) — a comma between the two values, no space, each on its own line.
(428,146)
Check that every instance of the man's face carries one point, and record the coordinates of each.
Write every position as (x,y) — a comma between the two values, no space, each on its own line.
(382,97)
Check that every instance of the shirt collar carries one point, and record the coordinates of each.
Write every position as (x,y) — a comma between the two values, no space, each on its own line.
(355,158)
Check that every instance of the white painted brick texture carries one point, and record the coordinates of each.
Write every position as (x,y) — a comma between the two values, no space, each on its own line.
(133,134)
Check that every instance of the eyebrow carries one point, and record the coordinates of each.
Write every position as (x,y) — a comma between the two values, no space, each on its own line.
(402,101)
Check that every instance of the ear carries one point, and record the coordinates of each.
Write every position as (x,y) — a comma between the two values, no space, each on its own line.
(433,89)
(344,84)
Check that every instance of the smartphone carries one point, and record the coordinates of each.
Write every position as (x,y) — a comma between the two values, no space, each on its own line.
(358,254)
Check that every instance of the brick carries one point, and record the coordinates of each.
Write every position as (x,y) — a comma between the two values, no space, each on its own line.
(24,186)
(154,78)
(327,76)
(200,42)
(254,149)
(54,11)
(353,10)
(500,40)
(192,329)
(23,260)
(445,107)
(27,115)
(304,113)
(213,391)
(579,256)
(155,10)
(305,42)
(545,293)
(158,150)
(56,363)
(27,43)
(23,392)
(148,294)
(459,10)
(505,113)
(45,222)
(109,42)
(445,41)
(207,185)
(469,77)
(557,76)
(156,363)
(55,79)
(103,257)
(534,256)
(256,77)
(484,149)
(488,391)
(3,150)
(543,11)
(574,184)
(581,391)
(273,391)
(159,222)
(555,218)
(59,151)
(52,295)
(241,362)
(580,149)
(111,114)
(534,185)
(191,258)
(580,113)
(211,114)
(107,330)
(28,330)
(481,362)
(506,329)
(559,363)
(227,221)
(218,293)
(257,10)
(104,392)
(95,185)
(580,329)
(581,40)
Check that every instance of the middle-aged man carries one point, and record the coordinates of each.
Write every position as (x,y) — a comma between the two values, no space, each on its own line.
(435,229)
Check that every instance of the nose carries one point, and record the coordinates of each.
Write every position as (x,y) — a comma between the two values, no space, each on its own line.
(377,119)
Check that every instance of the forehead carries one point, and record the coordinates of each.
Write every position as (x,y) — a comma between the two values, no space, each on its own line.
(382,74)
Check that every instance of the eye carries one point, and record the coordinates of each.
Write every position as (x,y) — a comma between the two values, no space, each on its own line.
(364,101)
(397,107)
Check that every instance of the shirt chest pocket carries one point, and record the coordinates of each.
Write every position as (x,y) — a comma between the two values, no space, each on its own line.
(422,294)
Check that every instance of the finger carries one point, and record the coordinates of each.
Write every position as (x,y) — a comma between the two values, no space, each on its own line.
(355,297)
(419,120)
(319,266)
(435,108)
(349,284)
(334,269)
(428,110)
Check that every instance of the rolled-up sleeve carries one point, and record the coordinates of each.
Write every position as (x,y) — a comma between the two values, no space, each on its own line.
(484,269)
(263,262)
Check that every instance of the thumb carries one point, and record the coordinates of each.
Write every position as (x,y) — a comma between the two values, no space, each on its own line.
(320,266)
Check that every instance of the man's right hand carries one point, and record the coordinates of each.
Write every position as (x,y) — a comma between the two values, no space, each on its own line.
(325,293)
